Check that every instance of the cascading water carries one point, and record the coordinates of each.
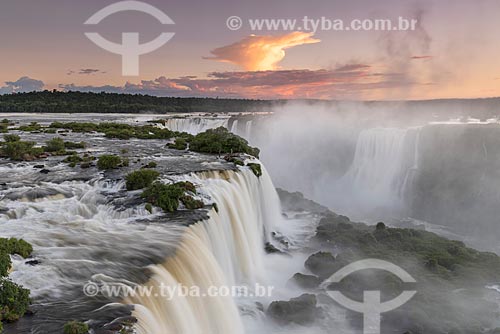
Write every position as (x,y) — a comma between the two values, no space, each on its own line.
(225,250)
(195,125)
(234,126)
(380,173)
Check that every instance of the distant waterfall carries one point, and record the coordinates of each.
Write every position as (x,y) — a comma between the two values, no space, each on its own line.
(224,250)
(195,125)
(234,126)
(381,171)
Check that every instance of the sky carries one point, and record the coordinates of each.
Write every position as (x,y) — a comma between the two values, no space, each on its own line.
(453,51)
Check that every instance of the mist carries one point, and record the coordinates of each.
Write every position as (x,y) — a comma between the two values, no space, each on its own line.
(432,162)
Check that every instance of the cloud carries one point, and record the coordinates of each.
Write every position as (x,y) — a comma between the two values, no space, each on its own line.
(351,81)
(261,53)
(421,57)
(85,71)
(22,85)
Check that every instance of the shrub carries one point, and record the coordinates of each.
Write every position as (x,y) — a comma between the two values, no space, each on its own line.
(55,145)
(109,161)
(164,196)
(5,264)
(151,164)
(72,146)
(187,186)
(32,127)
(180,144)
(20,150)
(256,169)
(73,159)
(141,179)
(11,138)
(12,246)
(16,246)
(220,141)
(76,327)
(191,203)
(14,300)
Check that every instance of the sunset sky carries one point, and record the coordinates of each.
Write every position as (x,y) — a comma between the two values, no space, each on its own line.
(453,53)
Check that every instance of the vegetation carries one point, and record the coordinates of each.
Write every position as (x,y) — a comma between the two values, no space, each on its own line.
(117,130)
(14,299)
(169,196)
(221,141)
(55,145)
(15,149)
(191,203)
(78,102)
(179,144)
(256,169)
(76,327)
(11,138)
(151,164)
(451,277)
(85,161)
(4,125)
(141,179)
(165,196)
(72,146)
(32,127)
(109,161)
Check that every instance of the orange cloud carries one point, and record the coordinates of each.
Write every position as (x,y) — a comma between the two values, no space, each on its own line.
(261,53)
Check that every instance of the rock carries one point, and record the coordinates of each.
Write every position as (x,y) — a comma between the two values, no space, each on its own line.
(328,226)
(39,166)
(271,249)
(297,202)
(301,310)
(45,171)
(322,264)
(306,281)
(32,262)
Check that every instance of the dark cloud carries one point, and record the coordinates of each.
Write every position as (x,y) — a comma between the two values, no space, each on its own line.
(22,85)
(85,71)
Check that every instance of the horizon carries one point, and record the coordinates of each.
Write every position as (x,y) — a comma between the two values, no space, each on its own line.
(214,58)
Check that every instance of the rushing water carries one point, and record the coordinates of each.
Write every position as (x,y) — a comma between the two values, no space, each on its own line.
(85,228)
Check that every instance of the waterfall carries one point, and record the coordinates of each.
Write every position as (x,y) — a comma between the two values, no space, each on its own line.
(234,126)
(248,130)
(380,173)
(195,125)
(225,250)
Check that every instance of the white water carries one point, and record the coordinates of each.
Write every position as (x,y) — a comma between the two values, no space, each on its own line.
(225,250)
(70,230)
(373,181)
(377,175)
(195,125)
